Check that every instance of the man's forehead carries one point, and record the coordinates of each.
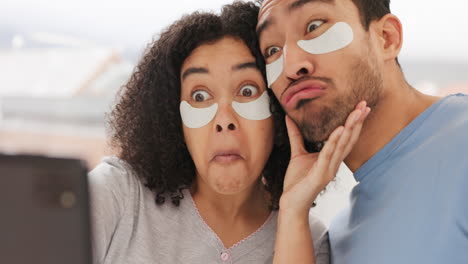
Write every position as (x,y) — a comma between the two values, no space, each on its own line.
(289,5)
(265,19)
(266,5)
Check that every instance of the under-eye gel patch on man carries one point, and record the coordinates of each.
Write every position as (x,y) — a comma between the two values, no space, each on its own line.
(258,109)
(335,38)
(197,117)
(273,70)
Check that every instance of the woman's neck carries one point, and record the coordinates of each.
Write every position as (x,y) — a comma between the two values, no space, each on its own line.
(232,217)
(249,203)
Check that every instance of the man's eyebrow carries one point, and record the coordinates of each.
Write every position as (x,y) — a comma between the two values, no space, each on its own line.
(247,65)
(263,26)
(193,70)
(300,3)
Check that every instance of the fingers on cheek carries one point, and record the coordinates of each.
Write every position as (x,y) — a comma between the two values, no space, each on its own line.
(365,114)
(351,119)
(333,141)
(338,132)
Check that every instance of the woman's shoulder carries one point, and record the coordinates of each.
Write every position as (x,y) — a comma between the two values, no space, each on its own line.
(113,180)
(111,164)
(113,190)
(113,171)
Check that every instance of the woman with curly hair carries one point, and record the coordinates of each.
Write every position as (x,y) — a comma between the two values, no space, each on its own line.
(202,153)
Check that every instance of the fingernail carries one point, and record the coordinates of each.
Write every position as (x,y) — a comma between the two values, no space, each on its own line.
(358,115)
(363,109)
(368,110)
(366,114)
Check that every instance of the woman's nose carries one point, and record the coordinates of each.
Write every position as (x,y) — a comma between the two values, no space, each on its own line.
(231,126)
(226,119)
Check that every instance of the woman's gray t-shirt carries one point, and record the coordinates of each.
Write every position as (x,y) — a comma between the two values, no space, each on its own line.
(128,227)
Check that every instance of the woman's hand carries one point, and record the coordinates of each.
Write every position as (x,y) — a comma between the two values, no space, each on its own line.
(309,173)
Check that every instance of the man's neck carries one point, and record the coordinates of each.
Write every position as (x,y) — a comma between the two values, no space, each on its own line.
(399,106)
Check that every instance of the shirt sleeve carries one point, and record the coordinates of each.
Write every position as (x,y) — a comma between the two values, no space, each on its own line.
(108,185)
(322,253)
(319,235)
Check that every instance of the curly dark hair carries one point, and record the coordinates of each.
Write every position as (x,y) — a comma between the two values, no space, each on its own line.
(145,125)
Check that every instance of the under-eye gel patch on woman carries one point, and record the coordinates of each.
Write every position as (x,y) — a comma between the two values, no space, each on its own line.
(256,110)
(197,117)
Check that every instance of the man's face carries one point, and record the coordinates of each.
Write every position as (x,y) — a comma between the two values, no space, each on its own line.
(320,61)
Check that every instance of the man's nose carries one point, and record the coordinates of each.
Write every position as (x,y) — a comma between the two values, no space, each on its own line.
(296,62)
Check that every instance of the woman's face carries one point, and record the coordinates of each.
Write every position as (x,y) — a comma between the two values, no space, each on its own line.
(227,125)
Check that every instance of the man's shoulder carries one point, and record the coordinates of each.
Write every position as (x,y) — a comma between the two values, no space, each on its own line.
(456,102)
(451,111)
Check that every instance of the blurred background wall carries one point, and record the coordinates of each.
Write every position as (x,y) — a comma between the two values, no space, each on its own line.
(62,62)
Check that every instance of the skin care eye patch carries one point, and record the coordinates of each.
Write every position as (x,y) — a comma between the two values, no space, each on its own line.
(255,110)
(274,70)
(197,117)
(337,37)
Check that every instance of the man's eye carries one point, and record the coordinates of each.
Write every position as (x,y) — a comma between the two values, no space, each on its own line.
(314,25)
(248,90)
(200,96)
(271,51)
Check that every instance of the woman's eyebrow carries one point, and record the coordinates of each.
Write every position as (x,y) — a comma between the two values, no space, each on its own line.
(201,70)
(246,65)
(194,70)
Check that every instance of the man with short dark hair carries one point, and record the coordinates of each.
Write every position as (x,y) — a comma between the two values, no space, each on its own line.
(411,161)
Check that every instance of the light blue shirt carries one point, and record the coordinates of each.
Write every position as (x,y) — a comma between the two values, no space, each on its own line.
(411,203)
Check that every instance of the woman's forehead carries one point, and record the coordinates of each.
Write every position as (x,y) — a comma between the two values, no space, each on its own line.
(226,51)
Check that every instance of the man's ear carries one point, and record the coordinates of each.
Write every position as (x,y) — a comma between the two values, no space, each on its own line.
(390,36)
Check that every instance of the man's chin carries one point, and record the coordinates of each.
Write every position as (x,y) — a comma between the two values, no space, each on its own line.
(314,135)
(318,119)
(317,127)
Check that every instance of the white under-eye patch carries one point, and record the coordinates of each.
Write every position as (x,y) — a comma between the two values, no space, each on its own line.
(255,110)
(335,38)
(197,117)
(274,70)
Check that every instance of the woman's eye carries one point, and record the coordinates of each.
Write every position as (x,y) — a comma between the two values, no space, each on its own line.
(248,90)
(314,25)
(200,96)
(272,50)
